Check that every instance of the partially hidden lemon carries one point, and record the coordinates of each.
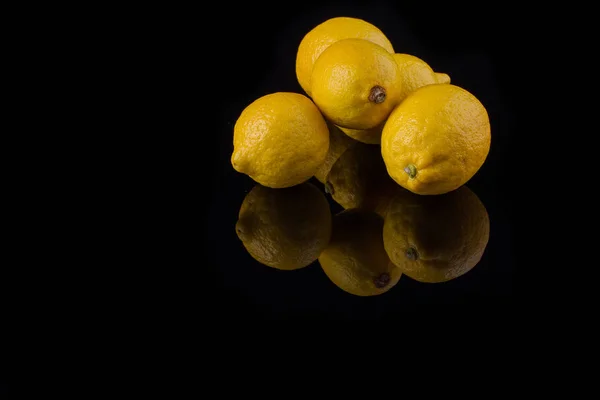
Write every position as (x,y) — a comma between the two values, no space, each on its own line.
(285,228)
(280,140)
(436,238)
(442,77)
(338,144)
(415,73)
(327,33)
(369,136)
(436,139)
(356,84)
(355,259)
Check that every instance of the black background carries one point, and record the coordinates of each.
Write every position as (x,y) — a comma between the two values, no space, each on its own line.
(255,55)
(192,69)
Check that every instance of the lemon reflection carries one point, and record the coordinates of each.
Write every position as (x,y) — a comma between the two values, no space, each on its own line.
(436,238)
(364,251)
(285,228)
(338,144)
(355,259)
(359,179)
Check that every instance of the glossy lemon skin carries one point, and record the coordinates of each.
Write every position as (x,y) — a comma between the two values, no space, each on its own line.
(280,140)
(356,84)
(327,33)
(436,139)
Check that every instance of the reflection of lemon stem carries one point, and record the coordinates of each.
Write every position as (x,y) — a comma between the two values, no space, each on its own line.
(412,254)
(382,280)
(240,230)
(329,188)
(411,170)
(377,94)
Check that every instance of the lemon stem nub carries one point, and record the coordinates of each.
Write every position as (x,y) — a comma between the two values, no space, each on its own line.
(411,170)
(377,94)
(412,254)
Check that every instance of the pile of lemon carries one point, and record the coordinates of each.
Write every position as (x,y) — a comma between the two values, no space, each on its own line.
(372,123)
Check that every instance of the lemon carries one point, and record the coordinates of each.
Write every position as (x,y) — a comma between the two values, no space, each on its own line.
(280,140)
(338,144)
(442,78)
(285,228)
(369,136)
(436,238)
(436,139)
(327,33)
(355,259)
(415,73)
(356,84)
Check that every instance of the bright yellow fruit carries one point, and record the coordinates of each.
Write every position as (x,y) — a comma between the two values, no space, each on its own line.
(436,238)
(415,73)
(356,84)
(285,228)
(436,139)
(327,33)
(442,78)
(338,144)
(280,140)
(369,136)
(355,259)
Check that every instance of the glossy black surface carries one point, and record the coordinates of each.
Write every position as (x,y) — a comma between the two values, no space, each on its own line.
(451,41)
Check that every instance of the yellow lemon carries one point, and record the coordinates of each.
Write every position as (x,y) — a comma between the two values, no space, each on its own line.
(369,136)
(280,140)
(436,139)
(327,33)
(285,228)
(338,144)
(442,78)
(355,259)
(436,238)
(356,84)
(415,73)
